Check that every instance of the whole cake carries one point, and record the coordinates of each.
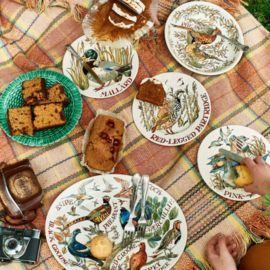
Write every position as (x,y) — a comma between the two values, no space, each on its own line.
(20,121)
(104,143)
(152,91)
(34,90)
(49,116)
(56,93)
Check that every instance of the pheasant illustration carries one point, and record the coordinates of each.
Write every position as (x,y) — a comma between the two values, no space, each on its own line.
(197,55)
(106,70)
(199,34)
(81,196)
(169,113)
(79,250)
(138,260)
(96,216)
(171,238)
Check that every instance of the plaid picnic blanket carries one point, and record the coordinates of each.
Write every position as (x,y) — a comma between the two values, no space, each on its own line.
(241,96)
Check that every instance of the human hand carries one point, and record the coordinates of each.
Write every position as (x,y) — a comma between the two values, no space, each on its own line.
(220,252)
(260,173)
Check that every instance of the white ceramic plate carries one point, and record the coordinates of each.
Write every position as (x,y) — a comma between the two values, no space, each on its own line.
(195,51)
(190,110)
(77,201)
(214,167)
(72,68)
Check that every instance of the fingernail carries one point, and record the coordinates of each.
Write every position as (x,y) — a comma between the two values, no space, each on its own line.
(221,235)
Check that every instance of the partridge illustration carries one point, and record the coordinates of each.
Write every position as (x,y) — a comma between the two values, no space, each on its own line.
(138,260)
(169,113)
(171,237)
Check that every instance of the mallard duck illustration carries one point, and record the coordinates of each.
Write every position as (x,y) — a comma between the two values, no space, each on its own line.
(105,70)
(171,238)
(169,113)
(96,216)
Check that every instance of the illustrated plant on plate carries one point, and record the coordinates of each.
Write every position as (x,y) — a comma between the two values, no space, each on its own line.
(257,147)
(92,230)
(64,234)
(76,69)
(84,264)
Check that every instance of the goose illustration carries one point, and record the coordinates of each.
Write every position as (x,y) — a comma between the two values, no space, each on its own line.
(217,142)
(105,70)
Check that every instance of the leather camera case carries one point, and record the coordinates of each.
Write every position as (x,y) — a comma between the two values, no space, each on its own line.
(20,190)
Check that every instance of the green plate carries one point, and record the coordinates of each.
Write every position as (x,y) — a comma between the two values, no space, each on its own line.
(12,98)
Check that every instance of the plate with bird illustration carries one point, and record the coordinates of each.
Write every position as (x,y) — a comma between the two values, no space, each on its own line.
(182,117)
(222,174)
(116,67)
(193,48)
(100,205)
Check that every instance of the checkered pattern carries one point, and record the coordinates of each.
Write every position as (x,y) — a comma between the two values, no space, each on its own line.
(31,41)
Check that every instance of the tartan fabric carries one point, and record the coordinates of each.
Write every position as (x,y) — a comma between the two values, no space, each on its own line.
(31,41)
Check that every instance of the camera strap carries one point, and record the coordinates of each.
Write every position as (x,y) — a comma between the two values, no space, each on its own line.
(27,219)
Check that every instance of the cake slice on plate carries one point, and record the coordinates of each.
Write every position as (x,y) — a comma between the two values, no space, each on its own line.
(56,93)
(34,90)
(152,91)
(49,116)
(20,121)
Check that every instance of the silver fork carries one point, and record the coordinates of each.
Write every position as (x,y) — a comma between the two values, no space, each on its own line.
(129,230)
(240,145)
(212,32)
(141,227)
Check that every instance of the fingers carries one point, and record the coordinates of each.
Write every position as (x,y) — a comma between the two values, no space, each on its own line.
(259,160)
(248,161)
(211,245)
(234,254)
(249,188)
(222,245)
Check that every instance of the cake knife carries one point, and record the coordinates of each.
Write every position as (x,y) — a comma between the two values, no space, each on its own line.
(89,69)
(131,8)
(230,154)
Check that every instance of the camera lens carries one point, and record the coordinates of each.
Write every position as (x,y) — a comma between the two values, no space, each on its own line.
(12,244)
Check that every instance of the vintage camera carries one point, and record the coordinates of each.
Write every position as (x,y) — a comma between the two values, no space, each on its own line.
(19,245)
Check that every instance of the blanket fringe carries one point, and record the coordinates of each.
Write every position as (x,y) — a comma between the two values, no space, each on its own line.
(260,225)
